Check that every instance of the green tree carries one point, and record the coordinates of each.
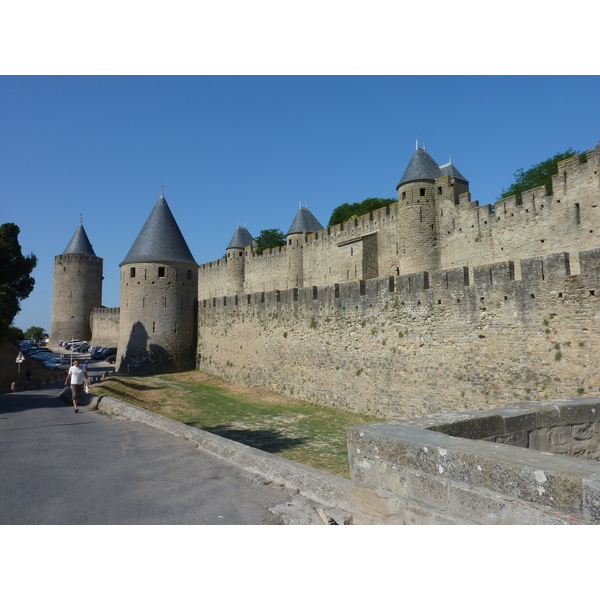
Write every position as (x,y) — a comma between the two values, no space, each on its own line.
(15,333)
(16,282)
(345,212)
(269,238)
(537,175)
(35,333)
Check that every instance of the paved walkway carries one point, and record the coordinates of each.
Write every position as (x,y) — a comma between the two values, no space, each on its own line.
(62,467)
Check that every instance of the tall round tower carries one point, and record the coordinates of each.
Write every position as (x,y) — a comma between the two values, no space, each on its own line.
(416,214)
(236,260)
(159,299)
(304,222)
(77,289)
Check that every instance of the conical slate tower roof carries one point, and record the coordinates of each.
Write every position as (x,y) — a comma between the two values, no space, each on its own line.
(241,238)
(160,239)
(305,222)
(80,243)
(421,166)
(450,169)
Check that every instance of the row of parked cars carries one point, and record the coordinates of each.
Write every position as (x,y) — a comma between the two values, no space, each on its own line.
(45,356)
(51,360)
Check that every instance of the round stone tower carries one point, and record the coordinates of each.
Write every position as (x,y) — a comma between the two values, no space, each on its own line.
(236,260)
(305,222)
(77,289)
(416,214)
(159,299)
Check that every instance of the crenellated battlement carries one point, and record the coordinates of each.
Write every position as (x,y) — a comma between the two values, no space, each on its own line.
(444,287)
(454,231)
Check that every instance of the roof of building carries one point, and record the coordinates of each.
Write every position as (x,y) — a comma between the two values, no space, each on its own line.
(422,166)
(305,222)
(450,169)
(80,243)
(241,238)
(160,239)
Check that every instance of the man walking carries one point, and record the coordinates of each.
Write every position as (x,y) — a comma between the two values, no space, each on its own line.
(78,377)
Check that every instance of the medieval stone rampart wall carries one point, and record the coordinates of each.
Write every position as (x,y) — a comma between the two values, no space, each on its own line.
(416,344)
(104,323)
(466,234)
(566,221)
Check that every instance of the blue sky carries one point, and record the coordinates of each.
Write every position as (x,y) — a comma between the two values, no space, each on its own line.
(248,150)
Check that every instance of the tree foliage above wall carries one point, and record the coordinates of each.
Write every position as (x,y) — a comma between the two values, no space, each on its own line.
(537,175)
(16,282)
(345,212)
(269,238)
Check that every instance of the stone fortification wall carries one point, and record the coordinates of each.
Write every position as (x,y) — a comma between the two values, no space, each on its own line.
(440,470)
(566,221)
(416,344)
(104,323)
(443,229)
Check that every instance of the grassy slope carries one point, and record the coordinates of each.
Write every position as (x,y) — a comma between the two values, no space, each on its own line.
(306,433)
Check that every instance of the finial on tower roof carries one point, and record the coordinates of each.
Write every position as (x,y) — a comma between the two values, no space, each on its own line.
(162,194)
(80,219)
(424,146)
(417,144)
(450,161)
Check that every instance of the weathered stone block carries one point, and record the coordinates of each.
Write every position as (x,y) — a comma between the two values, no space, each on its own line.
(417,515)
(479,506)
(428,490)
(399,445)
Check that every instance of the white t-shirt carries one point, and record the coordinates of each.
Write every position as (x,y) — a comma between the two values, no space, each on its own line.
(77,375)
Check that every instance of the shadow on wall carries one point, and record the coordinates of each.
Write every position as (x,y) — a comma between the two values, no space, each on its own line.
(141,358)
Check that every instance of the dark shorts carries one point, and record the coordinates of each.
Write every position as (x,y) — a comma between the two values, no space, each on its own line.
(76,389)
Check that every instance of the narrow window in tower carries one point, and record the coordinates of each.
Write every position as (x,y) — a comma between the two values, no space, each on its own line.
(421,191)
(439,191)
(165,302)
(403,195)
(189,273)
(161,271)
(153,327)
(144,302)
(351,251)
(577,214)
(175,328)
(132,272)
(420,214)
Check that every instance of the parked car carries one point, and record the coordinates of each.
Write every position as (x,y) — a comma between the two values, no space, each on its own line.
(81,348)
(109,351)
(111,359)
(98,355)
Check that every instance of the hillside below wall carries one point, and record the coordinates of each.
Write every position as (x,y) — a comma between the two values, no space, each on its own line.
(404,346)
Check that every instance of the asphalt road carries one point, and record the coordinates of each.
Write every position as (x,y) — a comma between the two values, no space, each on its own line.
(62,467)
